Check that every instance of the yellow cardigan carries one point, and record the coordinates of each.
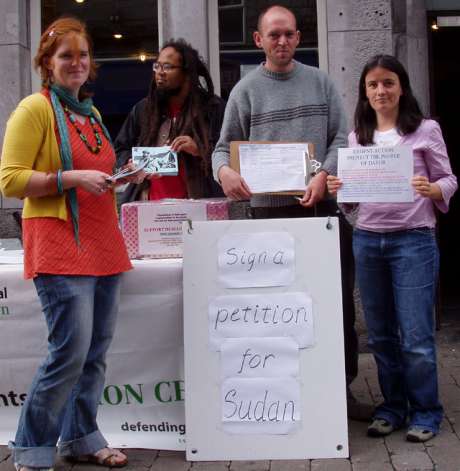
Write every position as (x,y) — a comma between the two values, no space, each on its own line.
(30,144)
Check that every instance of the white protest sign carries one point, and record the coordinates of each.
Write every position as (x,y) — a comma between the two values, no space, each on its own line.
(252,403)
(376,174)
(263,417)
(261,259)
(261,315)
(260,357)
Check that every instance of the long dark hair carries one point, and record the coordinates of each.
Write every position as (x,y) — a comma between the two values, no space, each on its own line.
(192,119)
(409,117)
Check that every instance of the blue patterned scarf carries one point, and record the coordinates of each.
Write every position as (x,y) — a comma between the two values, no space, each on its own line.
(58,96)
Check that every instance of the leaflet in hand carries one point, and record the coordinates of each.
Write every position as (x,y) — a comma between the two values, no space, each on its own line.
(159,160)
(126,172)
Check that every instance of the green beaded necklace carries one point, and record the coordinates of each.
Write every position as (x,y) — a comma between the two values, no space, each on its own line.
(93,149)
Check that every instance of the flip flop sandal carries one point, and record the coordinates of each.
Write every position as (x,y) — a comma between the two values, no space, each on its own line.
(114,458)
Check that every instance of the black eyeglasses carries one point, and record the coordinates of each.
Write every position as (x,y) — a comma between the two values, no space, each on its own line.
(157,66)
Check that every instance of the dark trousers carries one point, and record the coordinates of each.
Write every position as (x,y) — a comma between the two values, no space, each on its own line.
(324,209)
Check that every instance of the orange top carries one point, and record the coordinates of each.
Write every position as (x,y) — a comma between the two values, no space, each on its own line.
(49,243)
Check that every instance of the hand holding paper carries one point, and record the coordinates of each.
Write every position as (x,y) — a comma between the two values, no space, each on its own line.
(185,144)
(315,190)
(333,184)
(424,188)
(233,184)
(130,173)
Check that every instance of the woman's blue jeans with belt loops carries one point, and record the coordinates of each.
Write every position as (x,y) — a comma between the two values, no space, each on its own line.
(80,313)
(397,277)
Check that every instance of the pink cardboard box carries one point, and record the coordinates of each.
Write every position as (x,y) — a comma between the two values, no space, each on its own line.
(153,229)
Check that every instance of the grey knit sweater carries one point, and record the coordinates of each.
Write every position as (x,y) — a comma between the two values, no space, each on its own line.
(302,105)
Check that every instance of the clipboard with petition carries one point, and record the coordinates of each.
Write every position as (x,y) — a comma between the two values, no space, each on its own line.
(274,167)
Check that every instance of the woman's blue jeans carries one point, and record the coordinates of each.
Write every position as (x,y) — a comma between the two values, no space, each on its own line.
(62,402)
(397,277)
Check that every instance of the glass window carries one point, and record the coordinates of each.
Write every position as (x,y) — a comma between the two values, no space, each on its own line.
(125,62)
(231,26)
(224,3)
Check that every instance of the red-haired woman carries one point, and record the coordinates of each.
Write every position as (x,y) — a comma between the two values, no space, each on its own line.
(57,155)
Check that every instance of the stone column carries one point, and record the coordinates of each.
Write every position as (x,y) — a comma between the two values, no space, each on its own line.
(411,47)
(359,29)
(185,19)
(196,21)
(14,65)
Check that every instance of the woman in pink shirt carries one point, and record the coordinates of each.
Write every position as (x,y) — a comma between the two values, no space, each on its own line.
(396,254)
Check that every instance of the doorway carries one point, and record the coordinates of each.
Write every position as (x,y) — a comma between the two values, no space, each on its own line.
(445,103)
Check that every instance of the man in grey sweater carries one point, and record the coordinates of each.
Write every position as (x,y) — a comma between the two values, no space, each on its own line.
(284,100)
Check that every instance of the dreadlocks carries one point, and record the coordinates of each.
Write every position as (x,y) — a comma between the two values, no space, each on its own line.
(192,117)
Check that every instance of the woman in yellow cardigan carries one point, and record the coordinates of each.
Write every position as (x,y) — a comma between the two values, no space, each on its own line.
(57,156)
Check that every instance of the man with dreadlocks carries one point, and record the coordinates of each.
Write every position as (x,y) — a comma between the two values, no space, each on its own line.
(182,111)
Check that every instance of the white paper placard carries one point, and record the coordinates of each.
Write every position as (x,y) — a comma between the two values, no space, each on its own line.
(260,405)
(259,357)
(273,167)
(261,259)
(261,315)
(376,174)
(322,430)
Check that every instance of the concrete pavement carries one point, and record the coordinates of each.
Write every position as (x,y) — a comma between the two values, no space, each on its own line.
(392,453)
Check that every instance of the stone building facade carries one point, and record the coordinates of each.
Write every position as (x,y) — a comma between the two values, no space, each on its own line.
(349,32)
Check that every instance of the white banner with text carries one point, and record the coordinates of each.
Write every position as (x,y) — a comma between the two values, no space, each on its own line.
(142,405)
